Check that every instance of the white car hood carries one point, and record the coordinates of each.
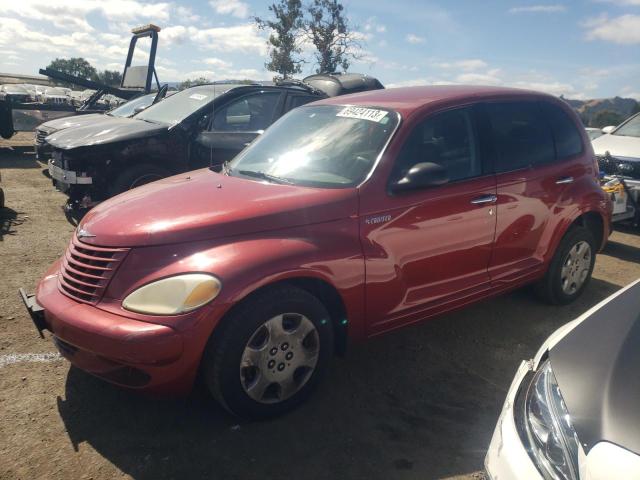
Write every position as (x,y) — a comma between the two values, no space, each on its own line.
(617,146)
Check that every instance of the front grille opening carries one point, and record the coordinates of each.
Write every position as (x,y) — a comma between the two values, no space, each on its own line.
(87,270)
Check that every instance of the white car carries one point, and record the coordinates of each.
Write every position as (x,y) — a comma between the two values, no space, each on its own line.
(55,95)
(594,133)
(573,411)
(621,141)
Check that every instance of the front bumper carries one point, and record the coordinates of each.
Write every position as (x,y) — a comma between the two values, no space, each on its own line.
(68,177)
(131,353)
(507,457)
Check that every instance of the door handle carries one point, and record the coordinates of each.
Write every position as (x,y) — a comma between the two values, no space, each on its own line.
(484,199)
(564,180)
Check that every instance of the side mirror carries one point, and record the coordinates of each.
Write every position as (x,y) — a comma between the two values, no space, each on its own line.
(608,129)
(421,175)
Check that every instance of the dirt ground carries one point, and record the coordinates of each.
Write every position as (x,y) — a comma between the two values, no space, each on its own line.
(420,403)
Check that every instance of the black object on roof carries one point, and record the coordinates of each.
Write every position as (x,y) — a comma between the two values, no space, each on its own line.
(334,84)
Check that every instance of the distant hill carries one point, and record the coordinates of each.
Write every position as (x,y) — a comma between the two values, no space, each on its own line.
(604,111)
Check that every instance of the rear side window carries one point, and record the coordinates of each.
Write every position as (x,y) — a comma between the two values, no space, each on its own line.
(249,113)
(295,101)
(446,139)
(565,133)
(521,136)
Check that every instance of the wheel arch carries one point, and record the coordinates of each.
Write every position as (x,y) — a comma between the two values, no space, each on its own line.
(321,288)
(594,220)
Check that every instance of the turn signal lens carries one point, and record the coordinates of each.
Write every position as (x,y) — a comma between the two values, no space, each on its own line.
(174,295)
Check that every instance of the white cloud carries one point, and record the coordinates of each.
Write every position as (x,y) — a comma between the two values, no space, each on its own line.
(185,14)
(491,77)
(556,8)
(217,62)
(238,38)
(624,29)
(466,65)
(236,8)
(553,88)
(372,25)
(414,39)
(71,14)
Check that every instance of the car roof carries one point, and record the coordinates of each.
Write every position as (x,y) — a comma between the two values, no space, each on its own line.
(406,100)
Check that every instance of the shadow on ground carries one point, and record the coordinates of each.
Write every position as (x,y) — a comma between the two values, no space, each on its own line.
(627,253)
(8,221)
(18,157)
(418,403)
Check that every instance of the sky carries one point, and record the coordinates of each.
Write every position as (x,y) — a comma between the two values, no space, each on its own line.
(579,49)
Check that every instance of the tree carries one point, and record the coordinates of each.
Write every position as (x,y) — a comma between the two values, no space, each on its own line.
(192,82)
(287,28)
(112,78)
(606,118)
(76,66)
(330,33)
(636,109)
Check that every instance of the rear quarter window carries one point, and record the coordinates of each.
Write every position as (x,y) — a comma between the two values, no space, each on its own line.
(565,133)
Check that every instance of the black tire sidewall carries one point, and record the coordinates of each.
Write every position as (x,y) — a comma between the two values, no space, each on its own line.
(553,281)
(222,370)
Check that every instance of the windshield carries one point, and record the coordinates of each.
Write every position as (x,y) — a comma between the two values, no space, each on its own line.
(127,109)
(631,128)
(174,109)
(319,146)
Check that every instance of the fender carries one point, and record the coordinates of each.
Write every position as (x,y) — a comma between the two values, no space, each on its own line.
(330,252)
(595,203)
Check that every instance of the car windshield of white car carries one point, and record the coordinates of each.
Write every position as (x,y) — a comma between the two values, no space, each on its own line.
(326,146)
(629,129)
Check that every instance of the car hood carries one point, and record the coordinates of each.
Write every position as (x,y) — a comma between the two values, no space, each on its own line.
(596,366)
(203,205)
(107,130)
(617,146)
(70,122)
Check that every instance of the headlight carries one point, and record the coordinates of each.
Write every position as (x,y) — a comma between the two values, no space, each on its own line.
(553,443)
(173,295)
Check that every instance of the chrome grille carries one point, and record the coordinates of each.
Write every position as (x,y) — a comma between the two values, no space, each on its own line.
(87,270)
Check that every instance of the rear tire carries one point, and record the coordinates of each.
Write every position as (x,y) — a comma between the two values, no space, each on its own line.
(136,176)
(270,353)
(570,269)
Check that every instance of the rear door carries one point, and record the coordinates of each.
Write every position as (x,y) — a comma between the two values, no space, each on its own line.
(431,247)
(237,124)
(531,179)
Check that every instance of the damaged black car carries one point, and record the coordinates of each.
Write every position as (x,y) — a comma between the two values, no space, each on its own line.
(203,126)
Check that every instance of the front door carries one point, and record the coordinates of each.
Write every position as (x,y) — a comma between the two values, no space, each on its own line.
(432,248)
(235,125)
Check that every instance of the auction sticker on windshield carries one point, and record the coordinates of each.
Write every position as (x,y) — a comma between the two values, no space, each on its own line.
(371,114)
(198,96)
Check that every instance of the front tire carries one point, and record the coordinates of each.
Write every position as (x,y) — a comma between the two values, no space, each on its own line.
(270,353)
(136,176)
(570,269)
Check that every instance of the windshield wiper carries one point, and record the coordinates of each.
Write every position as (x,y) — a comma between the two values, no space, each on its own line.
(265,176)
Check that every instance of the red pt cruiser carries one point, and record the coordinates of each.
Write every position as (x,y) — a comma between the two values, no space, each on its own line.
(348,218)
